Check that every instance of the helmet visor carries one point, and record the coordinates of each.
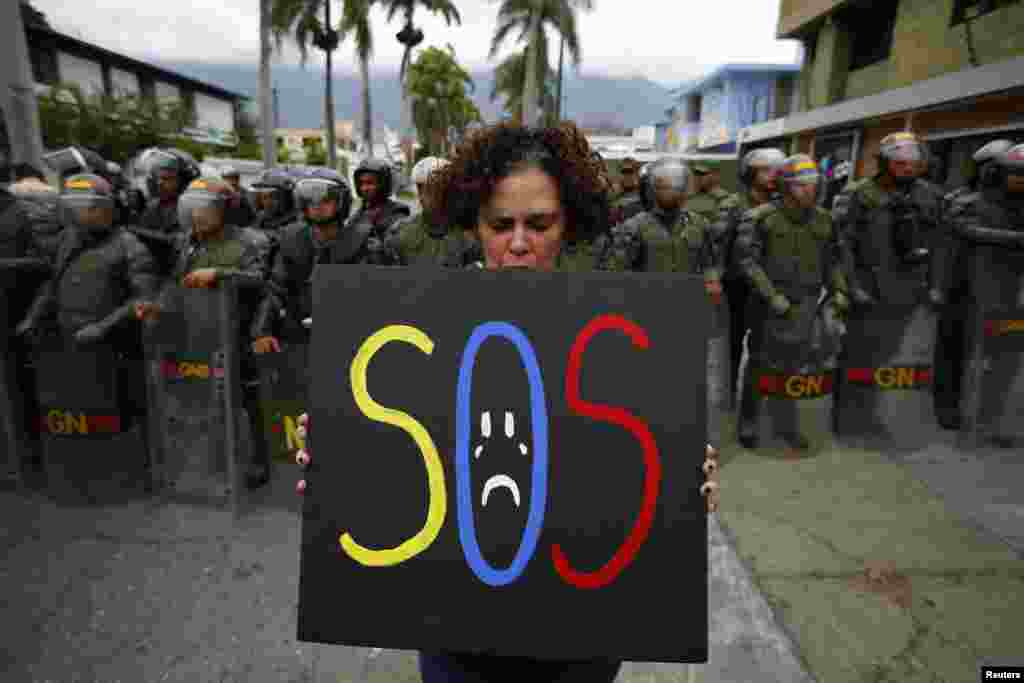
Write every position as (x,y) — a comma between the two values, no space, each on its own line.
(201,211)
(314,192)
(673,176)
(903,151)
(86,211)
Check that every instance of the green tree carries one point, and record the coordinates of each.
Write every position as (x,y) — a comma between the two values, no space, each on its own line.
(315,154)
(115,126)
(530,19)
(410,37)
(301,20)
(439,88)
(510,82)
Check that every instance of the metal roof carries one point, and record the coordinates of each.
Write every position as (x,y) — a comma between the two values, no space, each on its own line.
(120,61)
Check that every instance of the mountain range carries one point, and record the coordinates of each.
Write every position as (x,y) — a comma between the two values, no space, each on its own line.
(590,100)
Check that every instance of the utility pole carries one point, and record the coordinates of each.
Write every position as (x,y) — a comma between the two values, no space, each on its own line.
(17,90)
(266,95)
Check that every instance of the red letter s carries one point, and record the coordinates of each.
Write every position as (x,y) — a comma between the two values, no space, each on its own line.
(652,464)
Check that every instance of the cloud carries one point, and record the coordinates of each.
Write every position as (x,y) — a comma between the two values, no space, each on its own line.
(664,40)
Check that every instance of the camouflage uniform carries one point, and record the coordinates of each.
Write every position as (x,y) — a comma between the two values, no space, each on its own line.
(787,256)
(420,243)
(660,241)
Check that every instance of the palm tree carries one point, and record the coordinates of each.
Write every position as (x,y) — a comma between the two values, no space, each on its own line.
(266,94)
(530,18)
(510,81)
(410,37)
(300,19)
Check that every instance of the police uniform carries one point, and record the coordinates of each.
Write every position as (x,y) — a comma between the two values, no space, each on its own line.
(787,256)
(419,242)
(707,204)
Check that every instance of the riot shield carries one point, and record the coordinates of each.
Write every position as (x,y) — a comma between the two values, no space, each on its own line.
(993,386)
(12,441)
(884,391)
(94,450)
(195,395)
(284,391)
(794,378)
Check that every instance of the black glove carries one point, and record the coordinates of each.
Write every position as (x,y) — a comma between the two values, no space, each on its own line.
(936,298)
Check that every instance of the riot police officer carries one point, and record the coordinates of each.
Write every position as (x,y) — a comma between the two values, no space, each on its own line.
(993,217)
(709,195)
(378,212)
(321,238)
(101,271)
(240,211)
(668,238)
(208,252)
(420,240)
(168,173)
(758,174)
(628,203)
(949,343)
(275,203)
(787,254)
(887,226)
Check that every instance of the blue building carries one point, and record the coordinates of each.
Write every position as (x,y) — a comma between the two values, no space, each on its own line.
(709,112)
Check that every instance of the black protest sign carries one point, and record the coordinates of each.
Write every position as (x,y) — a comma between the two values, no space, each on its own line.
(507,463)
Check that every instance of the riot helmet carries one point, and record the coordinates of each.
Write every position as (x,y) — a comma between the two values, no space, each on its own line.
(670,181)
(202,206)
(165,164)
(987,171)
(766,157)
(312,192)
(232,176)
(273,192)
(1012,164)
(900,156)
(422,170)
(86,204)
(799,179)
(383,172)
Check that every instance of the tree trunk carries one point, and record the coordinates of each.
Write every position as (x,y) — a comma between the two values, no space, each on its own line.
(266,91)
(364,67)
(530,97)
(561,61)
(17,95)
(407,129)
(332,147)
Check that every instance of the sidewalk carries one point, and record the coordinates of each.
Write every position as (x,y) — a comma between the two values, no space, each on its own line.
(876,577)
(141,593)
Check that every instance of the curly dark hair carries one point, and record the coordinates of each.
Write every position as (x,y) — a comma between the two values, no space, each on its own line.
(458,191)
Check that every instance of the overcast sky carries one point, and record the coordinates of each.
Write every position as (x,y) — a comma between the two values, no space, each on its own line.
(658,39)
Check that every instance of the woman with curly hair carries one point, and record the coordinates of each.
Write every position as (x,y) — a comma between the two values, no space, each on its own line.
(534,199)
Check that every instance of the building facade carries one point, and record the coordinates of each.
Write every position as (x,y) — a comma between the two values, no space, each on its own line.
(952,71)
(61,59)
(709,112)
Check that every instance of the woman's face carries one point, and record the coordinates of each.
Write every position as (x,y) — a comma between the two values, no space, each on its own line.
(522,226)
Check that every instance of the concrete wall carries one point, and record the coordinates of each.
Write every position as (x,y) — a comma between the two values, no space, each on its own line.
(924,46)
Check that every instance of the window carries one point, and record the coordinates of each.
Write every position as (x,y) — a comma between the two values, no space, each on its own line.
(760,109)
(965,10)
(870,27)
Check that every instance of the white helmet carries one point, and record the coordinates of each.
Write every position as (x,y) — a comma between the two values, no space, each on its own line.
(422,170)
